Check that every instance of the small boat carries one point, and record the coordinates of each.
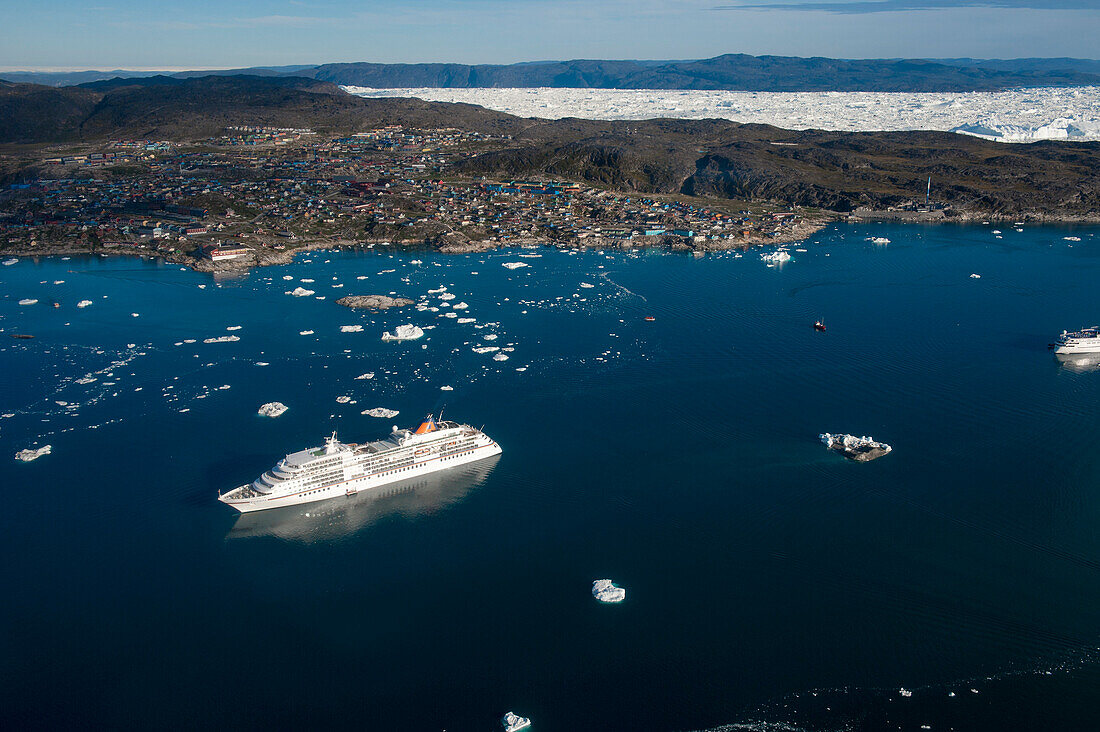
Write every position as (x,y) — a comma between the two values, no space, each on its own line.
(819,325)
(649,318)
(22,336)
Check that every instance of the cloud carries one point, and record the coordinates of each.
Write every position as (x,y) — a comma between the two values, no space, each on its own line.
(886,6)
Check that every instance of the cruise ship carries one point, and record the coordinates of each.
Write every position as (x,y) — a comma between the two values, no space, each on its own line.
(343,469)
(1086,340)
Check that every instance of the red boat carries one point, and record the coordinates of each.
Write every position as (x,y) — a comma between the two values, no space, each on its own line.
(650,318)
(819,325)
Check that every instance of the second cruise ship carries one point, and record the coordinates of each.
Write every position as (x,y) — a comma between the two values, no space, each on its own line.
(344,469)
(1086,340)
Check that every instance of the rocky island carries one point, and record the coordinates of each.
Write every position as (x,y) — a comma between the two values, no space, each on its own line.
(859,449)
(373,302)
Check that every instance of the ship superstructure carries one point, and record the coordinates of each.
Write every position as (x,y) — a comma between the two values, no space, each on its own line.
(344,469)
(1086,340)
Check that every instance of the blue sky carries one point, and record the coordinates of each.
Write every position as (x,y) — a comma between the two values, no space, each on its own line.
(106,34)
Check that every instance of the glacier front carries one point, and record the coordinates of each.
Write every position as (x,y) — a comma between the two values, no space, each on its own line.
(1019,115)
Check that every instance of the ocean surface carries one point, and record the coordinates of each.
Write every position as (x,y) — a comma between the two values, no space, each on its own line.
(953,584)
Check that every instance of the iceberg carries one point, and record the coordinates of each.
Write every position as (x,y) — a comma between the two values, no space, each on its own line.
(33,454)
(776,256)
(380,412)
(500,357)
(272,409)
(300,292)
(343,399)
(860,449)
(605,590)
(351,329)
(403,333)
(514,723)
(368,375)
(878,240)
(84,303)
(10,262)
(446,388)
(305,332)
(975,276)
(513,265)
(28,301)
(222,339)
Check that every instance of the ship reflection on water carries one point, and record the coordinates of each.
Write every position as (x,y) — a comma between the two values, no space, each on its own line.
(339,518)
(1079,363)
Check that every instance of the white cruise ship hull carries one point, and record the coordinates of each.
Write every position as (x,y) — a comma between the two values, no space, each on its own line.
(1079,345)
(484,448)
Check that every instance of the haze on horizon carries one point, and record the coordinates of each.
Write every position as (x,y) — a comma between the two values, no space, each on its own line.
(155,34)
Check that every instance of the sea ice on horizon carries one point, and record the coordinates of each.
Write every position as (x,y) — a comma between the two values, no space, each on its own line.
(1017,115)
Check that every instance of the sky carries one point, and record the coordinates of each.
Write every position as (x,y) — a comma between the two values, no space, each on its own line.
(209,34)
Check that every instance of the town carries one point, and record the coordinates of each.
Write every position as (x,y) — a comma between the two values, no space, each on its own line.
(255,195)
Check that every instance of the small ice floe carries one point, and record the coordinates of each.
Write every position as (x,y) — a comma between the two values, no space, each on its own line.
(363,377)
(450,315)
(861,449)
(513,265)
(605,590)
(262,363)
(485,349)
(28,301)
(135,315)
(995,231)
(776,256)
(272,409)
(131,345)
(33,454)
(446,388)
(587,285)
(288,277)
(802,251)
(343,399)
(521,368)
(380,412)
(300,292)
(233,327)
(222,339)
(489,337)
(85,380)
(500,357)
(59,282)
(361,277)
(403,333)
(84,303)
(1071,238)
(878,240)
(307,281)
(447,296)
(905,692)
(305,332)
(416,261)
(183,411)
(460,306)
(10,262)
(975,276)
(202,287)
(351,329)
(464,321)
(512,722)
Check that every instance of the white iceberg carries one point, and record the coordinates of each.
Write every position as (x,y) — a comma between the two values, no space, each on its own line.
(362,377)
(485,349)
(514,723)
(605,590)
(513,265)
(343,399)
(233,327)
(380,412)
(776,256)
(403,333)
(300,292)
(500,357)
(305,332)
(975,276)
(446,388)
(272,409)
(878,240)
(33,454)
(351,329)
(10,262)
(222,339)
(28,301)
(84,303)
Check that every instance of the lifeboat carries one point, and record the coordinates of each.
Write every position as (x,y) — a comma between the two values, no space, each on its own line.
(649,318)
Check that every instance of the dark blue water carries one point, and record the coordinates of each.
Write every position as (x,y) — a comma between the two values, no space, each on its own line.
(768,580)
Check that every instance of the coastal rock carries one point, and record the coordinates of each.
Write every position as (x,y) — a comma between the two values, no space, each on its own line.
(605,590)
(373,302)
(33,454)
(860,449)
(272,409)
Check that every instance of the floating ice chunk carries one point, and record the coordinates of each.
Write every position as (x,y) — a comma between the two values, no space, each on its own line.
(28,301)
(305,332)
(343,399)
(307,281)
(59,282)
(300,292)
(587,285)
(272,409)
(878,240)
(860,449)
(776,256)
(467,320)
(233,327)
(1071,238)
(489,336)
(460,306)
(380,412)
(288,277)
(222,339)
(362,377)
(351,329)
(135,315)
(905,692)
(262,363)
(33,454)
(512,722)
(84,303)
(447,296)
(416,261)
(513,265)
(10,262)
(485,349)
(446,388)
(605,590)
(403,333)
(975,276)
(500,357)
